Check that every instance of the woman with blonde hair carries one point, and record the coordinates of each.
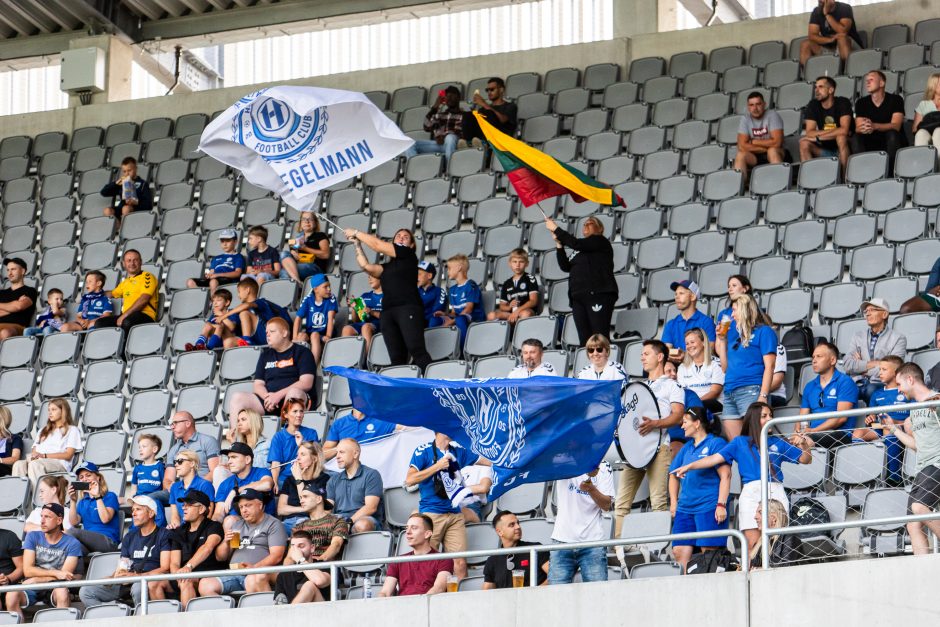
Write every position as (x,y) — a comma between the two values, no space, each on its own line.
(11,444)
(309,466)
(927,115)
(700,371)
(186,464)
(248,427)
(51,489)
(58,442)
(308,252)
(93,512)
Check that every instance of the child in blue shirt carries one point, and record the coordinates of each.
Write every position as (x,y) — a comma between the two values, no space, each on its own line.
(466,299)
(225,268)
(147,476)
(94,304)
(221,329)
(433,297)
(371,321)
(877,422)
(50,319)
(314,321)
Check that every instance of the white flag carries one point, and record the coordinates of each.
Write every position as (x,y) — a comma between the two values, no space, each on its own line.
(391,454)
(297,140)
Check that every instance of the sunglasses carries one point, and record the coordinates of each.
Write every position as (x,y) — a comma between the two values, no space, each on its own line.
(179,462)
(595,349)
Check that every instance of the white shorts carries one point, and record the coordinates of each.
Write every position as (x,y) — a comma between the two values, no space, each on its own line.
(749,500)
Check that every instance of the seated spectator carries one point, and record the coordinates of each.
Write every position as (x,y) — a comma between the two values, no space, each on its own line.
(55,448)
(429,577)
(785,550)
(222,329)
(248,427)
(133,191)
(285,442)
(831,390)
(477,480)
(11,444)
(147,476)
(929,299)
(433,297)
(187,482)
(879,119)
(760,136)
(307,467)
(51,318)
(225,268)
(309,250)
(519,294)
(94,304)
(356,426)
(244,477)
(186,438)
(581,503)
(140,293)
(532,364)
(498,569)
(18,301)
(827,120)
(365,312)
(498,111)
(868,347)
(316,316)
(194,545)
(145,550)
(464,298)
(325,537)
(832,29)
(356,490)
(926,117)
(877,423)
(51,489)
(264,263)
(602,367)
(689,317)
(444,121)
(48,555)
(93,512)
(261,542)
(700,372)
(11,557)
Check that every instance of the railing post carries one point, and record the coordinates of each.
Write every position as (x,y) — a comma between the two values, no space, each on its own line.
(144,596)
(764,499)
(333,587)
(533,568)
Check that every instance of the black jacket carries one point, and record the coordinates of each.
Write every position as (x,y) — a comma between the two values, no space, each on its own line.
(591,268)
(144,196)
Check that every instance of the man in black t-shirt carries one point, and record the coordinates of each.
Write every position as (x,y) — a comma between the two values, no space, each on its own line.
(499,112)
(17,302)
(831,27)
(879,117)
(194,543)
(11,558)
(497,571)
(828,123)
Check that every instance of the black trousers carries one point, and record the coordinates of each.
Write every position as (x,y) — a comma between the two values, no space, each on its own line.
(889,141)
(129,321)
(289,583)
(403,330)
(832,439)
(592,314)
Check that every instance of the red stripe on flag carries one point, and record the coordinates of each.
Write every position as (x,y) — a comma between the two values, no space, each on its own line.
(532,187)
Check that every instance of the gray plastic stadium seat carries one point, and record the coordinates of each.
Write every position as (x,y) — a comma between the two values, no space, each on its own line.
(476,187)
(684,63)
(175,196)
(838,302)
(721,185)
(58,260)
(155,129)
(57,210)
(818,173)
(100,229)
(406,97)
(690,134)
(120,133)
(619,94)
(670,112)
(905,56)
(642,224)
(895,290)
(926,192)
(56,614)
(24,189)
(738,79)
(599,75)
(563,149)
(541,128)
(645,140)
(86,136)
(630,117)
(603,145)
(57,234)
(713,278)
(706,247)
(18,352)
(60,380)
(48,142)
(699,83)
(656,253)
(721,59)
(754,242)
(883,196)
(103,376)
(762,53)
(589,121)
(497,367)
(172,171)
(190,124)
(852,231)
(149,407)
(13,168)
(779,73)
(820,268)
(54,163)
(770,178)
(208,168)
(863,168)
(915,161)
(106,610)
(642,322)
(803,236)
(822,65)
(706,159)
(106,449)
(60,348)
(122,151)
(834,201)
(927,31)
(15,146)
(860,62)
(194,368)
(794,95)
(215,191)
(486,338)
(18,239)
(98,256)
(905,225)
(919,256)
(711,107)
(661,164)
(887,36)
(153,371)
(787,307)
(872,262)
(641,70)
(221,602)
(736,213)
(560,79)
(688,219)
(412,119)
(675,190)
(660,88)
(635,194)
(102,343)
(202,401)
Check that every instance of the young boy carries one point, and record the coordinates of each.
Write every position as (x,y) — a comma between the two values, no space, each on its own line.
(888,395)
(95,304)
(147,476)
(221,329)
(264,263)
(369,324)
(519,294)
(50,319)
(314,321)
(433,297)
(223,269)
(466,300)
(253,312)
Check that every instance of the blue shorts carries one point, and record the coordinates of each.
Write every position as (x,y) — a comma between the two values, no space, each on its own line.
(688,523)
(358,326)
(677,434)
(38,596)
(232,583)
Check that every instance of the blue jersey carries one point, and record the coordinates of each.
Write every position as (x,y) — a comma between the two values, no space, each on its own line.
(434,299)
(698,490)
(94,305)
(840,389)
(87,508)
(746,363)
(283,448)
(48,319)
(373,301)
(674,330)
(148,478)
(177,491)
(747,456)
(676,433)
(359,430)
(461,295)
(229,484)
(315,316)
(227,262)
(423,457)
(889,396)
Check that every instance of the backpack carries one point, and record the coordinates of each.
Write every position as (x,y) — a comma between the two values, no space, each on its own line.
(266,310)
(808,511)
(717,561)
(798,342)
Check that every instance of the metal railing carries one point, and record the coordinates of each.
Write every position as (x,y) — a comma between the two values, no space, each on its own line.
(767,532)
(376,562)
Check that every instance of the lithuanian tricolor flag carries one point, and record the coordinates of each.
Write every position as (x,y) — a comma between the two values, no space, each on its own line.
(537,176)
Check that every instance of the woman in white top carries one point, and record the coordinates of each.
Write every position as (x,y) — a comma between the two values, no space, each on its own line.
(56,446)
(700,371)
(930,104)
(602,367)
(52,489)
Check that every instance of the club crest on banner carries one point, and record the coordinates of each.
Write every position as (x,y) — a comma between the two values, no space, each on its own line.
(276,132)
(492,418)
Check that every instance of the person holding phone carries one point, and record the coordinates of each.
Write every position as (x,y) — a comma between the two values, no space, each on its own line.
(93,511)
(445,123)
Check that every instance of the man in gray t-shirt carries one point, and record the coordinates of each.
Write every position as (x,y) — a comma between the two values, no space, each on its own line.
(760,135)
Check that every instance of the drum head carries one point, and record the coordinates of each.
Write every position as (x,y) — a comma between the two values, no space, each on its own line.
(637,450)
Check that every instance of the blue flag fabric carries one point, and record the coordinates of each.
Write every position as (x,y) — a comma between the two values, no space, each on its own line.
(534,429)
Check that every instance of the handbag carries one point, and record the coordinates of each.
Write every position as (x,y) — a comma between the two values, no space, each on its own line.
(930,122)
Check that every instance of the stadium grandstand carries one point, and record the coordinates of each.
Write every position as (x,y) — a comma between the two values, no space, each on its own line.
(647,97)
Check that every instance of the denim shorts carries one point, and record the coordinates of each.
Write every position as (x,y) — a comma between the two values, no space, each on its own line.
(232,583)
(736,401)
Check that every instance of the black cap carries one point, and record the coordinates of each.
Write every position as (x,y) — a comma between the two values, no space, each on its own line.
(252,494)
(239,448)
(195,496)
(318,486)
(17,260)
(56,509)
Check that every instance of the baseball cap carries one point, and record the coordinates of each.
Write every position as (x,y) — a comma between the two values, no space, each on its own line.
(317,486)
(240,448)
(89,466)
(228,234)
(17,260)
(56,509)
(688,284)
(195,496)
(318,279)
(252,495)
(877,303)
(427,266)
(146,501)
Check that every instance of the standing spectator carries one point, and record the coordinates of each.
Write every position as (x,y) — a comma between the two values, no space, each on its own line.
(225,268)
(145,550)
(737,284)
(356,426)
(403,311)
(887,395)
(48,555)
(532,363)
(926,117)
(139,291)
(194,545)
(93,512)
(592,288)
(700,371)
(248,427)
(581,501)
(58,442)
(366,320)
(868,347)
(498,569)
(284,444)
(499,112)
(478,480)
(778,390)
(186,438)
(760,136)
(308,252)
(94,304)
(464,298)
(831,390)
(828,124)
(519,294)
(832,28)
(428,577)
(17,302)
(316,316)
(245,477)
(51,318)
(444,121)
(134,192)
(689,317)
(11,444)
(879,119)
(602,367)
(51,489)
(11,557)
(187,482)
(308,467)
(747,350)
(356,489)
(264,263)
(699,500)
(433,298)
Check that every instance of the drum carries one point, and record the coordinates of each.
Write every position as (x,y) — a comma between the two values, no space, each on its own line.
(637,450)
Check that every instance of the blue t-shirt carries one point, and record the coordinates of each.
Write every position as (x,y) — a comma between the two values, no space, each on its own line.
(359,430)
(227,262)
(259,262)
(841,389)
(254,474)
(889,396)
(373,301)
(87,508)
(144,551)
(148,478)
(434,299)
(698,490)
(461,295)
(747,455)
(284,448)
(674,330)
(746,364)
(94,305)
(52,556)
(315,316)
(423,457)
(178,491)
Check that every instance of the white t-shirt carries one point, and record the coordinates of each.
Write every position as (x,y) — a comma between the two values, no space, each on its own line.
(667,392)
(579,518)
(544,369)
(34,517)
(613,371)
(473,475)
(780,366)
(700,379)
(57,442)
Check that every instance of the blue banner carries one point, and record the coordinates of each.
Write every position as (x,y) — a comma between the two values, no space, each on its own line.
(535,429)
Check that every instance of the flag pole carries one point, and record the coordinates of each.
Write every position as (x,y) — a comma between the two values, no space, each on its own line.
(325,219)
